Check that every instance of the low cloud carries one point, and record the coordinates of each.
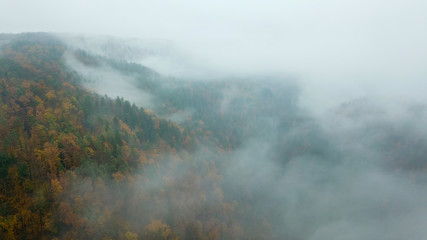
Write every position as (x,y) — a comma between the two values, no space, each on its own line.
(105,80)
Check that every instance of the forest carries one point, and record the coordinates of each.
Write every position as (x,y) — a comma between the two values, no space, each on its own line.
(230,158)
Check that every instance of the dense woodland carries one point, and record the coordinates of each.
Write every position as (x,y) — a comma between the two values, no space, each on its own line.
(77,165)
(74,164)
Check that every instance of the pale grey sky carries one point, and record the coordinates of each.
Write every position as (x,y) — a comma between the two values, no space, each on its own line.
(339,49)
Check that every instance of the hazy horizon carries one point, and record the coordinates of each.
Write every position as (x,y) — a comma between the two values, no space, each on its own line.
(338,51)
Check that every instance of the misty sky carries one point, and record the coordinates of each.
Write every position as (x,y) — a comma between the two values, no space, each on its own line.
(338,50)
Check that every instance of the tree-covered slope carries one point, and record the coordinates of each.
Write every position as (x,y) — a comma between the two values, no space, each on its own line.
(167,158)
(51,128)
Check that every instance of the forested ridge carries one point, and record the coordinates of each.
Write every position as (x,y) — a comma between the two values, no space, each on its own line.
(54,134)
(75,164)
(233,158)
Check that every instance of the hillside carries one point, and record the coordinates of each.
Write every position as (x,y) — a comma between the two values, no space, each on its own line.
(75,164)
(99,146)
(52,130)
